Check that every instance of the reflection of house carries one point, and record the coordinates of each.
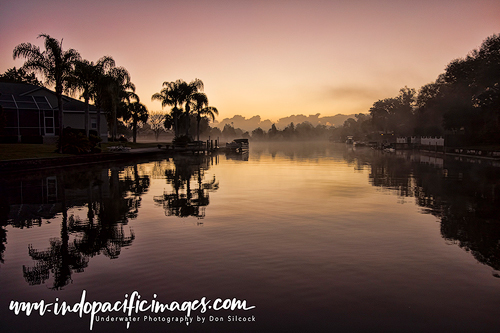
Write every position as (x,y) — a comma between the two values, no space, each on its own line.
(419,142)
(34,198)
(32,114)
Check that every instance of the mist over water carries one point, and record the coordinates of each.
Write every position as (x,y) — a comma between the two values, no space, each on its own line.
(318,237)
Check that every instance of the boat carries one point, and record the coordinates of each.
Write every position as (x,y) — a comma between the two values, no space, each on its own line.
(237,146)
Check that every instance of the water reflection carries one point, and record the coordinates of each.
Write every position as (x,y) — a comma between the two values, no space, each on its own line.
(189,195)
(61,259)
(243,156)
(296,150)
(463,194)
(110,196)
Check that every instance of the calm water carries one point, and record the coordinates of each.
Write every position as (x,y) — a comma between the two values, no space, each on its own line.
(317,237)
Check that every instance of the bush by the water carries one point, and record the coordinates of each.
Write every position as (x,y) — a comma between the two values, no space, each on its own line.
(182,140)
(76,142)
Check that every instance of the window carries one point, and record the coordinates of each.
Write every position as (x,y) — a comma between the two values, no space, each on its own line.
(49,125)
(51,189)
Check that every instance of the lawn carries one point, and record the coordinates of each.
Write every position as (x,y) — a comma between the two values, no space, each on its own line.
(132,145)
(16,151)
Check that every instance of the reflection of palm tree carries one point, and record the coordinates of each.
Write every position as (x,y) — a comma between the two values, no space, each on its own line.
(54,64)
(183,201)
(3,241)
(116,207)
(62,258)
(140,183)
(105,238)
(107,235)
(4,216)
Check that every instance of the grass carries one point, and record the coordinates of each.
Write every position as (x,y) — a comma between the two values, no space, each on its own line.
(18,151)
(104,146)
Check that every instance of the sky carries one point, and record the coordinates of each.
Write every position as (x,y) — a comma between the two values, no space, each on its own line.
(271,58)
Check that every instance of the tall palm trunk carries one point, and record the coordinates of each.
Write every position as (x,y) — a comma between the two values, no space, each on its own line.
(115,122)
(87,112)
(188,123)
(198,119)
(176,128)
(60,118)
(134,131)
(98,121)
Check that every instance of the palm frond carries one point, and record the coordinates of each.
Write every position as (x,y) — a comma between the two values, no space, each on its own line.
(197,84)
(209,112)
(26,50)
(106,63)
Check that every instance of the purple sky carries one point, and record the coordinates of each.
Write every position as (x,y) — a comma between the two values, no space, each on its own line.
(271,58)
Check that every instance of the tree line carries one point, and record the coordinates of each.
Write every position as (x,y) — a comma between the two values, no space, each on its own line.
(109,87)
(463,104)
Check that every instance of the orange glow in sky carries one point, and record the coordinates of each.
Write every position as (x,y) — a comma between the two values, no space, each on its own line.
(271,58)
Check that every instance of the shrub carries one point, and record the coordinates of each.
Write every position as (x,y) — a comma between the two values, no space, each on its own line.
(74,142)
(181,140)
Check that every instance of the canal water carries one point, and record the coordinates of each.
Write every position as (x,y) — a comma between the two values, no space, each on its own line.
(306,237)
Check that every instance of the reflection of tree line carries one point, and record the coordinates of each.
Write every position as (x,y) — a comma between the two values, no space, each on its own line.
(3,222)
(465,196)
(189,195)
(110,200)
(112,197)
(296,151)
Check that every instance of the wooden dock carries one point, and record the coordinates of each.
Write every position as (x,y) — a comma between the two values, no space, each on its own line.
(238,146)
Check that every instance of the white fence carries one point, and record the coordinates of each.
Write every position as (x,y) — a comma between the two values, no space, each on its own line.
(424,140)
(432,141)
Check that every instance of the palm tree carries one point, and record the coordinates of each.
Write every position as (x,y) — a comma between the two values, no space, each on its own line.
(21,76)
(199,106)
(208,112)
(171,95)
(54,64)
(82,79)
(176,94)
(118,88)
(85,78)
(191,92)
(101,80)
(138,113)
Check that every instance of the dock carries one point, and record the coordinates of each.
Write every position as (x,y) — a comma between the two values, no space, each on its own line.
(238,146)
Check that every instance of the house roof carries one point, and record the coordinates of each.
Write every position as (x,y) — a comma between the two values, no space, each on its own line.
(10,92)
(8,88)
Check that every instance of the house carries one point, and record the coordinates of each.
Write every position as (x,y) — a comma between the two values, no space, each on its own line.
(32,114)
